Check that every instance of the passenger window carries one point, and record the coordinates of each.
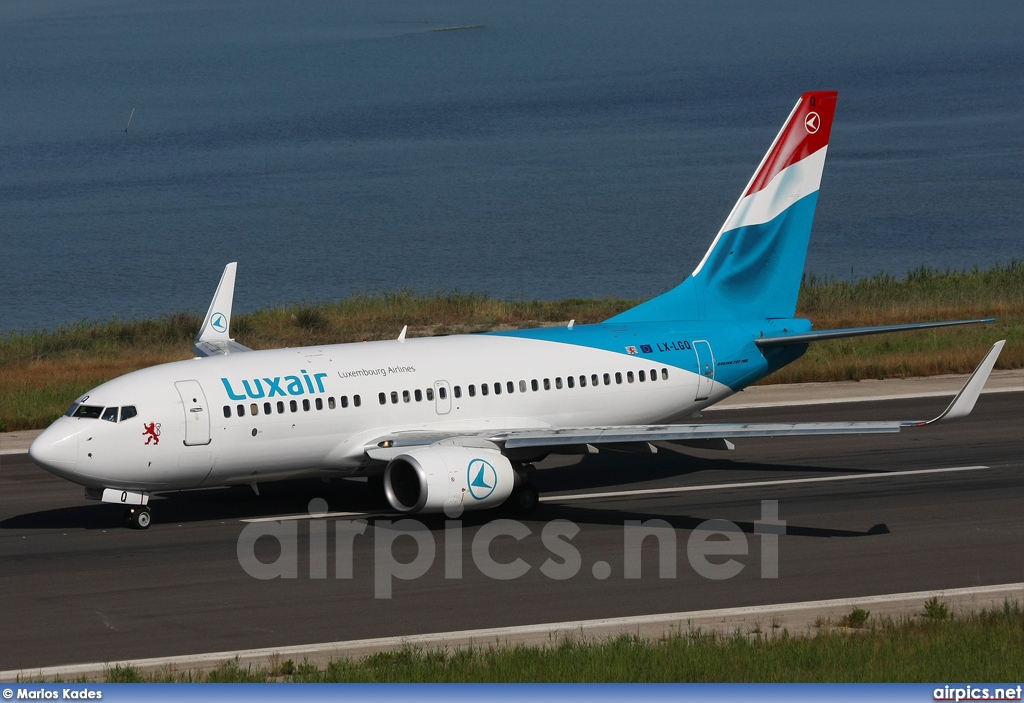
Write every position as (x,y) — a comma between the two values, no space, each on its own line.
(629,377)
(472,390)
(356,401)
(618,377)
(394,397)
(293,406)
(484,390)
(128,411)
(654,374)
(267,409)
(607,380)
(534,386)
(430,394)
(547,384)
(511,386)
(406,397)
(227,411)
(558,383)
(642,376)
(457,391)
(254,409)
(571,381)
(319,403)
(419,396)
(442,392)
(305,404)
(330,402)
(593,379)
(240,410)
(280,407)
(497,388)
(522,386)
(344,401)
(383,398)
(583,381)
(664,374)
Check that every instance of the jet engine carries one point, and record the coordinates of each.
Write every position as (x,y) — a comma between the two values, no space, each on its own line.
(433,479)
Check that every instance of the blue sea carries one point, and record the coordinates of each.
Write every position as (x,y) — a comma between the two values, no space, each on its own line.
(546,149)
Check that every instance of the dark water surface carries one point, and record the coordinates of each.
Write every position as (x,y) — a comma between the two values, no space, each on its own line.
(563,149)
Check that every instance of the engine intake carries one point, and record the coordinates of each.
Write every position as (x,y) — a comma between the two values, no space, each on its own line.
(430,479)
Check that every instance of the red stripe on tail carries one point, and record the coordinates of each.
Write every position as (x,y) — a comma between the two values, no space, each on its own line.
(806,132)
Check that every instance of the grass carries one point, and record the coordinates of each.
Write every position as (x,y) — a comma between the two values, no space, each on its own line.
(42,372)
(983,646)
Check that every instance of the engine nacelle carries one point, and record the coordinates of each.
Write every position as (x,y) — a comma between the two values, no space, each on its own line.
(431,479)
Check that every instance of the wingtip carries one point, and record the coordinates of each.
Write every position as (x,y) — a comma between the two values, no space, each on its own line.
(964,401)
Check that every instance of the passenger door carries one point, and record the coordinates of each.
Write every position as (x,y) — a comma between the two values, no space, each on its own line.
(705,369)
(197,415)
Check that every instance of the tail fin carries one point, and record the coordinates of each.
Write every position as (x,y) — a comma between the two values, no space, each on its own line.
(754,266)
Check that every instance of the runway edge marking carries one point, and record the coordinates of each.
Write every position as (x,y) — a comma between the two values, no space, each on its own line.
(601,627)
(754,484)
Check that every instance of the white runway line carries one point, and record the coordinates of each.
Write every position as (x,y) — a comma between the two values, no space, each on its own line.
(753,484)
(663,491)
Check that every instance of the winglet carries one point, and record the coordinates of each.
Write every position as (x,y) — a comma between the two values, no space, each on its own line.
(964,401)
(214,336)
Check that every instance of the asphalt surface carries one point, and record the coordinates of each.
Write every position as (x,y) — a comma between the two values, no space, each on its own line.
(75,586)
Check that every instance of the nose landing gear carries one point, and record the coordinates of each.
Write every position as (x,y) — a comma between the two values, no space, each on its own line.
(137,517)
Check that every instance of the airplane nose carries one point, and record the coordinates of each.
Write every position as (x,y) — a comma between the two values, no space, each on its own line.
(56,449)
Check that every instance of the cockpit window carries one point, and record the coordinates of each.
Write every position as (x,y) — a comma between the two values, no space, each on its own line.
(109,414)
(71,410)
(128,411)
(89,411)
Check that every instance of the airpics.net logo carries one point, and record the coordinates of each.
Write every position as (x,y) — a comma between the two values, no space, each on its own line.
(715,549)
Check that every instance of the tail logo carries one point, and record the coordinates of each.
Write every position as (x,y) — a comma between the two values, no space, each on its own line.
(812,123)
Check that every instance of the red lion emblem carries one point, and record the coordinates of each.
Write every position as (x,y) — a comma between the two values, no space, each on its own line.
(151,429)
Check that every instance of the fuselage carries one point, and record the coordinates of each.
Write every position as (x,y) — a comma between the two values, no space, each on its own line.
(268,415)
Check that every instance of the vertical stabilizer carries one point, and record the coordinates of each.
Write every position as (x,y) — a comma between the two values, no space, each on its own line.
(215,334)
(754,266)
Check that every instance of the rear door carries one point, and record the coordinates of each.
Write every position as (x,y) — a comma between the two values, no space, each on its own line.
(197,415)
(705,369)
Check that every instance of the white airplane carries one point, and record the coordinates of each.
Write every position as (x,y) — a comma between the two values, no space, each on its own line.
(455,423)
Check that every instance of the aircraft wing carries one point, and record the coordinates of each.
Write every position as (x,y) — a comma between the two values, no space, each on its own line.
(711,435)
(214,336)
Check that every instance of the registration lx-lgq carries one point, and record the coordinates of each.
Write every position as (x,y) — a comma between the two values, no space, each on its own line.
(454,423)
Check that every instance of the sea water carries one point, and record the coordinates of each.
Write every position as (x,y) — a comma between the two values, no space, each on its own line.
(535,149)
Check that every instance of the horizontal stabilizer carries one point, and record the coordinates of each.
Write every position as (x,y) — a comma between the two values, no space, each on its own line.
(821,335)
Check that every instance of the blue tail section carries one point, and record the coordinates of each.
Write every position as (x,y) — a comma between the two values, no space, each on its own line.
(754,267)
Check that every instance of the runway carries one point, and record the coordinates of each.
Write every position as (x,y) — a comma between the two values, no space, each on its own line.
(938,507)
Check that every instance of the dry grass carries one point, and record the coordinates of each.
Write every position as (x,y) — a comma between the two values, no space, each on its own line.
(42,372)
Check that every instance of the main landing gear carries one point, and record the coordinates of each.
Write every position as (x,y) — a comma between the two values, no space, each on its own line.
(137,517)
(524,499)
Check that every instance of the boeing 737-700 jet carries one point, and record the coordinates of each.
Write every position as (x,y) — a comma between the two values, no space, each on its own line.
(455,423)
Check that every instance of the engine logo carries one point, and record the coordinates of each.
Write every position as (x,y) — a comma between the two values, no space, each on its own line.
(482,478)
